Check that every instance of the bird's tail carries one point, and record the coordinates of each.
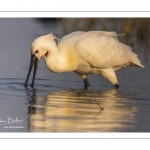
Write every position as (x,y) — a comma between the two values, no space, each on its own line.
(135,61)
(133,57)
(138,65)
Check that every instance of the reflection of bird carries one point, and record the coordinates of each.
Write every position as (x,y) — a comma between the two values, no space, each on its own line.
(93,52)
(83,111)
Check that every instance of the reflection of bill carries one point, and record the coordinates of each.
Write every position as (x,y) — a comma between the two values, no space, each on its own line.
(11,121)
(83,111)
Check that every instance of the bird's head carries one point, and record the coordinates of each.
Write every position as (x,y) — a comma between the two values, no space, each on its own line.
(41,47)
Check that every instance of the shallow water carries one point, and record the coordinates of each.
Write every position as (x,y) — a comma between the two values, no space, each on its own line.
(59,102)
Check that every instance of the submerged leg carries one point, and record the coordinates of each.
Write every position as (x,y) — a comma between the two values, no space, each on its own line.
(110,75)
(116,86)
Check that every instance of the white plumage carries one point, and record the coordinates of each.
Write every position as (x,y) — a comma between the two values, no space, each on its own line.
(93,52)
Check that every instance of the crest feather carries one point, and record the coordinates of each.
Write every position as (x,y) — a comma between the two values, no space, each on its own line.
(53,36)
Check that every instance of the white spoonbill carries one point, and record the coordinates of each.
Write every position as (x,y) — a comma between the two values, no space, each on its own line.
(93,52)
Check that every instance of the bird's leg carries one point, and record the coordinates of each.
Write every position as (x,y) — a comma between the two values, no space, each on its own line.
(110,75)
(116,86)
(85,79)
(86,82)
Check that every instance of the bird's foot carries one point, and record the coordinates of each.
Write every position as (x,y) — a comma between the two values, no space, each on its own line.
(116,86)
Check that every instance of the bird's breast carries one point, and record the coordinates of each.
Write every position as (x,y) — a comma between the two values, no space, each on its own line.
(71,60)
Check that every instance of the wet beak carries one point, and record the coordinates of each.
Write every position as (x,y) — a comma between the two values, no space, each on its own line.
(34,61)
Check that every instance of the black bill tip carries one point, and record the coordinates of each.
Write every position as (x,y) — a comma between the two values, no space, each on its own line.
(33,61)
(34,72)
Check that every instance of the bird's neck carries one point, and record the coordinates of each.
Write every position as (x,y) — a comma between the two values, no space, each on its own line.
(61,61)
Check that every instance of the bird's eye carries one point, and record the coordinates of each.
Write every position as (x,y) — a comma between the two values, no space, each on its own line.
(36,51)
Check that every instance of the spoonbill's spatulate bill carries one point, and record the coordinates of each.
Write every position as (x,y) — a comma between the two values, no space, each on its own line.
(93,52)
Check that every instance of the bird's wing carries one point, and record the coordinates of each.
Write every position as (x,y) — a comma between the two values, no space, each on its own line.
(103,50)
